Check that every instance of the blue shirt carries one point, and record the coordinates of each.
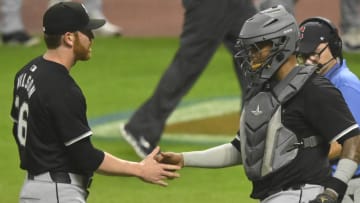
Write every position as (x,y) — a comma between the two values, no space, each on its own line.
(349,85)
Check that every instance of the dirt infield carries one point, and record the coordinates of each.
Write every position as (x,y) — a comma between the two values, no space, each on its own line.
(162,17)
(225,125)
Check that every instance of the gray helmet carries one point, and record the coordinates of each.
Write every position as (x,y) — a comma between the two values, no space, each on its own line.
(275,26)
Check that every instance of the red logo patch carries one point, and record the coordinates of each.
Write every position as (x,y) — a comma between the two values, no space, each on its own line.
(302,30)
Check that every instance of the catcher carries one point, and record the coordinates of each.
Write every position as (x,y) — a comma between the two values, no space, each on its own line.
(289,118)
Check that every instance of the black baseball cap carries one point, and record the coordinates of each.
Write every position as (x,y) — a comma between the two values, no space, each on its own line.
(68,17)
(311,35)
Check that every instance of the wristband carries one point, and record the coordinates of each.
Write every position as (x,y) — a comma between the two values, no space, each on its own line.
(345,170)
(337,186)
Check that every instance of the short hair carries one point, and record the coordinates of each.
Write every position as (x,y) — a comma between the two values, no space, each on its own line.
(52,41)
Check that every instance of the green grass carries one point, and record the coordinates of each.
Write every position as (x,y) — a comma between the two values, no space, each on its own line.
(123,73)
(120,76)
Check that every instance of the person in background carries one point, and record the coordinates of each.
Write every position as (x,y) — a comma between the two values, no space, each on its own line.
(14,32)
(12,27)
(50,125)
(200,38)
(95,10)
(320,44)
(350,20)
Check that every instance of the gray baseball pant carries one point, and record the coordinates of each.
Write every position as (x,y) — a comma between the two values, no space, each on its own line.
(303,195)
(43,190)
(207,25)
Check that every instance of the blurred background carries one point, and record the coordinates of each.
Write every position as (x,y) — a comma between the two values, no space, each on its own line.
(164,17)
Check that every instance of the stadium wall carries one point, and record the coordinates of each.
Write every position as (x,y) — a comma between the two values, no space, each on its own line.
(162,17)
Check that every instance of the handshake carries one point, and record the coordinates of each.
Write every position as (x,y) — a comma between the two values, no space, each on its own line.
(171,162)
(158,166)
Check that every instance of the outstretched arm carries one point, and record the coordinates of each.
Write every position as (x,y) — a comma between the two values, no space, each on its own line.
(217,157)
(149,170)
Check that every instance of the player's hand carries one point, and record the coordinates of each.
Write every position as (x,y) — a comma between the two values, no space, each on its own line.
(171,158)
(328,196)
(154,172)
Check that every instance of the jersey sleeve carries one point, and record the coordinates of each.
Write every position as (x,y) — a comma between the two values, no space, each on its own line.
(327,111)
(67,107)
(352,99)
(14,111)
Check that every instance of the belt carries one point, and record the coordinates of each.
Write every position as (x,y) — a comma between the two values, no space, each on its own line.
(293,187)
(62,177)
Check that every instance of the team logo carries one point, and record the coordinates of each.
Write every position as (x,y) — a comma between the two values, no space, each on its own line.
(33,68)
(302,30)
(257,111)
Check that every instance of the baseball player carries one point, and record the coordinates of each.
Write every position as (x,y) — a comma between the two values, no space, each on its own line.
(290,116)
(50,124)
(321,44)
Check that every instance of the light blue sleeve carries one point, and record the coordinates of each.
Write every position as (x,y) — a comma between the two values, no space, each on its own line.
(351,94)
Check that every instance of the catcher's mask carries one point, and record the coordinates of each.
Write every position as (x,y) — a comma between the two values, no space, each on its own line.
(265,42)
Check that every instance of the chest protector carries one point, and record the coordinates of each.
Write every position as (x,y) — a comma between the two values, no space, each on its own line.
(266,144)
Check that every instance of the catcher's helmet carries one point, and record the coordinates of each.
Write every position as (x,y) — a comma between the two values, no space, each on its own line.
(274,26)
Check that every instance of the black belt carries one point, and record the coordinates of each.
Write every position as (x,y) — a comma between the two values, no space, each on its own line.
(293,187)
(63,177)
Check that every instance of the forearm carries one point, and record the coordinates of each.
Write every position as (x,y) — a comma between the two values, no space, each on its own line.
(216,157)
(351,149)
(349,159)
(335,150)
(148,170)
(347,165)
(112,165)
